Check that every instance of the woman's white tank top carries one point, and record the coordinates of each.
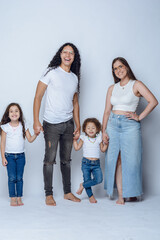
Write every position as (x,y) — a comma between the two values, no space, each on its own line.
(123,97)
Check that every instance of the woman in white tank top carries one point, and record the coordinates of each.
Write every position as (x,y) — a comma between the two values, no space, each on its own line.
(121,127)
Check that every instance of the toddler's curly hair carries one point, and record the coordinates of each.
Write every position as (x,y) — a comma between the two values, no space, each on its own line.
(92,120)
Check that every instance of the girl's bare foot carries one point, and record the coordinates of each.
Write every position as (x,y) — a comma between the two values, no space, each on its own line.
(92,199)
(80,190)
(120,201)
(13,202)
(19,201)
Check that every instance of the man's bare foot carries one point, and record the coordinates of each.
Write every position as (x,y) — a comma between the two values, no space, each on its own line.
(13,202)
(50,201)
(19,201)
(70,196)
(92,199)
(120,201)
(80,190)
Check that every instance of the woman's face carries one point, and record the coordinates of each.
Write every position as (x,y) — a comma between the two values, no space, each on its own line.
(67,56)
(120,70)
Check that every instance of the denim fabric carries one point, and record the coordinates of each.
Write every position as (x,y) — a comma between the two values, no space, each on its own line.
(15,169)
(124,137)
(91,167)
(61,133)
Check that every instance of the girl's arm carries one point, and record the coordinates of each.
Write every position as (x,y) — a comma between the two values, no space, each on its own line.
(103,146)
(3,144)
(140,89)
(77,145)
(29,137)
(107,111)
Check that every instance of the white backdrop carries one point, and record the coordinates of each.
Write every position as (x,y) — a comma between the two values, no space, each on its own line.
(31,33)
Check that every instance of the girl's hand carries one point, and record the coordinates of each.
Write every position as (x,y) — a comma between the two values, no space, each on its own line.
(37,128)
(132,115)
(76,133)
(105,137)
(4,162)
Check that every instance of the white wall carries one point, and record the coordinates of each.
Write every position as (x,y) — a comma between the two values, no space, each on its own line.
(31,33)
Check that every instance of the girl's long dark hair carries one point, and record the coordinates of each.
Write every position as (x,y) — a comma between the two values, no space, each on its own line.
(75,67)
(129,70)
(5,119)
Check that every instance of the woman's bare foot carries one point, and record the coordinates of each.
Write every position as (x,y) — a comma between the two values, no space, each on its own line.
(19,201)
(13,202)
(50,201)
(92,199)
(80,190)
(120,201)
(70,196)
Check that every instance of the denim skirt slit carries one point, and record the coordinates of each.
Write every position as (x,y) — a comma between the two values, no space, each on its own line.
(124,137)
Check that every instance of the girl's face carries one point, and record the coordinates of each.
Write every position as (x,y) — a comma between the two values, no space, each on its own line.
(67,56)
(120,70)
(91,129)
(14,113)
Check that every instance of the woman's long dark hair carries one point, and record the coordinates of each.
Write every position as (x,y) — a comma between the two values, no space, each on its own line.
(129,70)
(75,67)
(5,119)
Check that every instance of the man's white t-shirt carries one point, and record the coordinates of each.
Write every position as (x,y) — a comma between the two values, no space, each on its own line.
(59,95)
(14,138)
(91,147)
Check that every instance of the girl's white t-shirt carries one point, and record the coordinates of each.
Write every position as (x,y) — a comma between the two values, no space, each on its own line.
(14,138)
(61,87)
(91,148)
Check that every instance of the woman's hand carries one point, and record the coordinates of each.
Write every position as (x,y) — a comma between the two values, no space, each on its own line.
(132,115)
(4,162)
(105,137)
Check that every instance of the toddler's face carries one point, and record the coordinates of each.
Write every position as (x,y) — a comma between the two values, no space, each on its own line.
(14,113)
(91,129)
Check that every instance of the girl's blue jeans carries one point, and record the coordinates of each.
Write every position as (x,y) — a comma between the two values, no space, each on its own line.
(91,168)
(15,169)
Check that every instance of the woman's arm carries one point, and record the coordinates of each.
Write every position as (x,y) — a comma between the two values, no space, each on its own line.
(3,144)
(41,88)
(76,116)
(29,137)
(77,145)
(141,89)
(107,111)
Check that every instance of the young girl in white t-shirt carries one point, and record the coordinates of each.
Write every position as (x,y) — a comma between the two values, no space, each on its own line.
(92,144)
(13,132)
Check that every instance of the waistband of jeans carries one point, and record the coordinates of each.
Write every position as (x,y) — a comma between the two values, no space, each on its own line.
(14,154)
(90,161)
(113,115)
(70,120)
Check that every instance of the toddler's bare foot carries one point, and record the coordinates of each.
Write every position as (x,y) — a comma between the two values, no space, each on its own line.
(13,202)
(50,201)
(92,199)
(19,201)
(70,196)
(80,190)
(120,201)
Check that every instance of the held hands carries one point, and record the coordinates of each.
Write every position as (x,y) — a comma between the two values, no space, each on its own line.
(132,115)
(4,162)
(76,133)
(105,137)
(37,128)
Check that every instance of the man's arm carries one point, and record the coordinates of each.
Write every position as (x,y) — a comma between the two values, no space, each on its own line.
(76,116)
(41,88)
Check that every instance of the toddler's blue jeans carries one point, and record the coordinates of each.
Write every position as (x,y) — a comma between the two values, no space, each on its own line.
(91,167)
(15,169)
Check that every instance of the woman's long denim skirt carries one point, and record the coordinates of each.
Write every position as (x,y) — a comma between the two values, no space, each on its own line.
(124,137)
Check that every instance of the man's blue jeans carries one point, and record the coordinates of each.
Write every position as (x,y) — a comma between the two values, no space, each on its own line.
(15,169)
(91,167)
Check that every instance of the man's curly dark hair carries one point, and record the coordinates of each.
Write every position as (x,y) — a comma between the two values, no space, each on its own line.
(75,67)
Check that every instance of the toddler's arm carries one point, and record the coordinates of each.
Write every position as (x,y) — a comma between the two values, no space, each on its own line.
(77,145)
(103,146)
(3,144)
(29,137)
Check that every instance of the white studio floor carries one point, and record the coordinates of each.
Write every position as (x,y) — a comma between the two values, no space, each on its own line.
(80,221)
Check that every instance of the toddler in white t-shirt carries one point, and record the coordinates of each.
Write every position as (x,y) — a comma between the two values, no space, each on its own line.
(13,132)
(92,144)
